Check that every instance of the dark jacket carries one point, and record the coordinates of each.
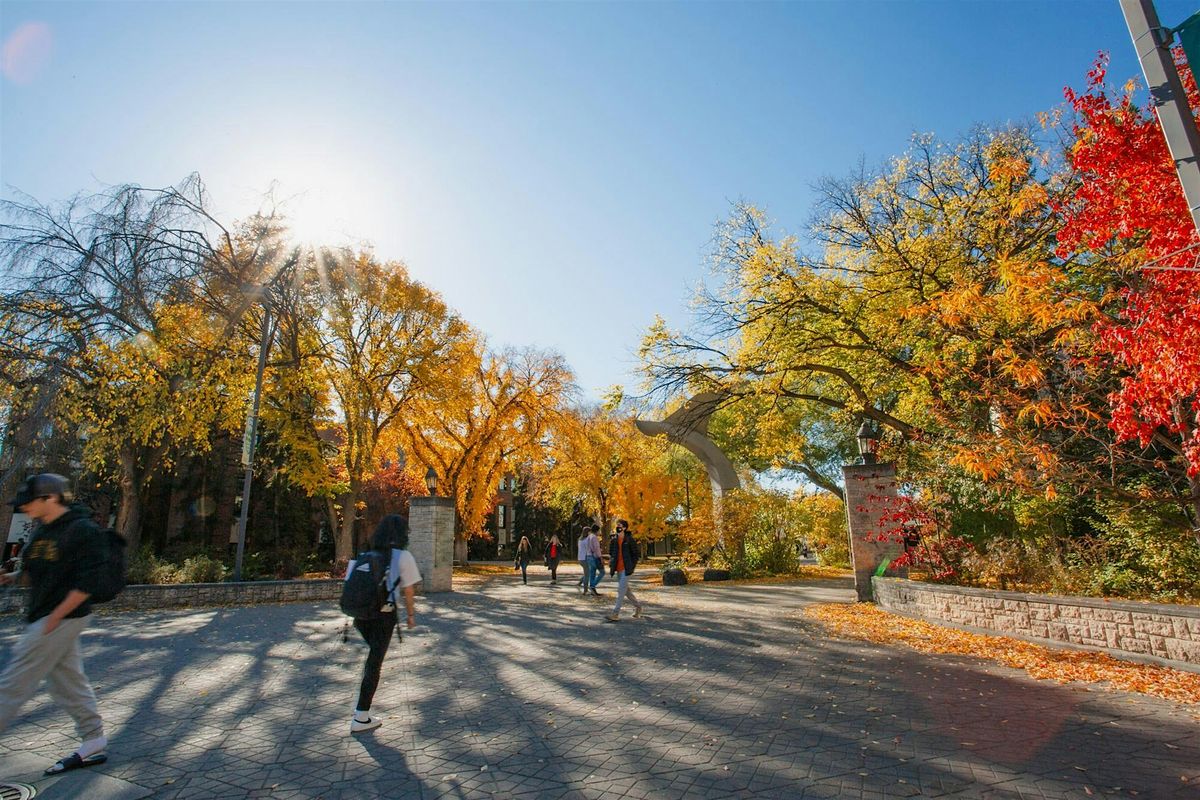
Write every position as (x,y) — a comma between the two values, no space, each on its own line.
(558,557)
(64,555)
(630,552)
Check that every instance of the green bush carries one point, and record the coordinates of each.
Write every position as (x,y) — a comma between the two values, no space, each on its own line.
(200,569)
(146,567)
(1137,552)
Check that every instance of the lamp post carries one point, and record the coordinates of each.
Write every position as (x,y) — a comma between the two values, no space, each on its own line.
(248,440)
(431,481)
(868,441)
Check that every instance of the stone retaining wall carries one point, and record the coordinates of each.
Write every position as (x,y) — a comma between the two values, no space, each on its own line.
(202,594)
(1169,632)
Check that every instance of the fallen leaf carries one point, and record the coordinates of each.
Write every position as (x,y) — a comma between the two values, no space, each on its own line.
(868,622)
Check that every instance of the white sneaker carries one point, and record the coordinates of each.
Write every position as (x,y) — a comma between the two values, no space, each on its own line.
(359,727)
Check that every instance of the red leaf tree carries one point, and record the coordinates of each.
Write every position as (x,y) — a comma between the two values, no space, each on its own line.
(1129,211)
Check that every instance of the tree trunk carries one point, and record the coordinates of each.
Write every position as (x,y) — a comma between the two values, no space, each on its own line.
(1194,486)
(177,507)
(129,510)
(1186,422)
(460,548)
(346,546)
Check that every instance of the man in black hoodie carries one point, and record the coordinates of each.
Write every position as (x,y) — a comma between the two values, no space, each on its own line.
(62,563)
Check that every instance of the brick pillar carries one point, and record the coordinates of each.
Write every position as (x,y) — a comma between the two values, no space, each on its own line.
(431,541)
(869,490)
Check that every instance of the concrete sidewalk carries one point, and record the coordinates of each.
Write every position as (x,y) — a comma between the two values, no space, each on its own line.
(522,691)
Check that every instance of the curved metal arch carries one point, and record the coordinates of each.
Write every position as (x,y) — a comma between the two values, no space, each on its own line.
(688,427)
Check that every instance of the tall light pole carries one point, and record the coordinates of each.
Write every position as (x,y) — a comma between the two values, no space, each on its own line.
(1153,45)
(248,440)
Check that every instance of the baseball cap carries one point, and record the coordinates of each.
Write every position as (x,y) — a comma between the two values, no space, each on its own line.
(40,486)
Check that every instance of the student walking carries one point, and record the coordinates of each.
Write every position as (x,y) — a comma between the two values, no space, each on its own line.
(595,568)
(623,553)
(524,552)
(554,550)
(390,541)
(62,564)
(585,578)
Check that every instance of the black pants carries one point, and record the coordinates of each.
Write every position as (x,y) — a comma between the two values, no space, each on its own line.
(378,635)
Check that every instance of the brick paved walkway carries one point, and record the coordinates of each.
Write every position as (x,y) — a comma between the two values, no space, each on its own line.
(518,691)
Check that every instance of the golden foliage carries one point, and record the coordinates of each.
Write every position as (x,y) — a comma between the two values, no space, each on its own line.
(494,416)
(599,457)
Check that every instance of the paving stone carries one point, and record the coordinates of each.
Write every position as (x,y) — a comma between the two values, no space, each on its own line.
(522,692)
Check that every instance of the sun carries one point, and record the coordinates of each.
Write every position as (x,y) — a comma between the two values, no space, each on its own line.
(314,218)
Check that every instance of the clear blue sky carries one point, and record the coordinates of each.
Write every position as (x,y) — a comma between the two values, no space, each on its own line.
(553,169)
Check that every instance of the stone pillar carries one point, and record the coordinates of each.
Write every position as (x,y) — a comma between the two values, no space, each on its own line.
(870,492)
(431,541)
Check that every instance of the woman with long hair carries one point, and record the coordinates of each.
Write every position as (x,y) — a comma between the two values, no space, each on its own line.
(554,553)
(389,543)
(524,552)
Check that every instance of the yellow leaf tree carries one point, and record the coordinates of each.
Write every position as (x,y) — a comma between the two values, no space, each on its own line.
(494,417)
(388,345)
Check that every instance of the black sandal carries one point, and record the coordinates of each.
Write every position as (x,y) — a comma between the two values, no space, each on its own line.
(76,761)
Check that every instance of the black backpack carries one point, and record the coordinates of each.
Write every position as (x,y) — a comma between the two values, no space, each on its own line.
(365,591)
(110,579)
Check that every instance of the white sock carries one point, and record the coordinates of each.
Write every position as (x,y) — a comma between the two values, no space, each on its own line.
(361,716)
(92,746)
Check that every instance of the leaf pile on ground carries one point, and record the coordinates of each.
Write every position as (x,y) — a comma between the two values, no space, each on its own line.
(870,623)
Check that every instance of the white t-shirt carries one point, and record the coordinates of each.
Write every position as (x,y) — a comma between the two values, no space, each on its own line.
(402,564)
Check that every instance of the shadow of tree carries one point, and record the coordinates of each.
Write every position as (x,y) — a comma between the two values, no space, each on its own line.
(723,692)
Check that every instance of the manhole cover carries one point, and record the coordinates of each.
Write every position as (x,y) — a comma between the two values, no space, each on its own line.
(16,791)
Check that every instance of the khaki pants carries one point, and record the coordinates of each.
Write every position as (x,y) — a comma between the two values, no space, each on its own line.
(624,592)
(56,658)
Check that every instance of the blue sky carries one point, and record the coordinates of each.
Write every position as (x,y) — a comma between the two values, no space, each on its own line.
(553,169)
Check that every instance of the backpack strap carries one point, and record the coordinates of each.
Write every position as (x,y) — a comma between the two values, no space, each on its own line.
(391,590)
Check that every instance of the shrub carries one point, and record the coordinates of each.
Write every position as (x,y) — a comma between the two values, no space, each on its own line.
(200,569)
(765,532)
(823,521)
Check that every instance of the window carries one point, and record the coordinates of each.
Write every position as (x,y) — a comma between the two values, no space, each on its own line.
(501,515)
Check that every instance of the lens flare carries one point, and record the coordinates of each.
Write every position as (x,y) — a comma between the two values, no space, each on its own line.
(26,52)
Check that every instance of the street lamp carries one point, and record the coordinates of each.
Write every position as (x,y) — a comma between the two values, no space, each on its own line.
(431,481)
(868,441)
(251,432)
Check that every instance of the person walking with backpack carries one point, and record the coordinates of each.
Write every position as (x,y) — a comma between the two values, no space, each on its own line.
(63,563)
(372,582)
(623,553)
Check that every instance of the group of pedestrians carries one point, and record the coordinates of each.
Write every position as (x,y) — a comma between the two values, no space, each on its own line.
(623,555)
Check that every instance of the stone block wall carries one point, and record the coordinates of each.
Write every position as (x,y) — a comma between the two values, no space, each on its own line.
(1169,632)
(202,594)
(431,541)
(870,491)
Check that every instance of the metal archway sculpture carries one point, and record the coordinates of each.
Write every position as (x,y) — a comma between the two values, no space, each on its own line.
(688,427)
